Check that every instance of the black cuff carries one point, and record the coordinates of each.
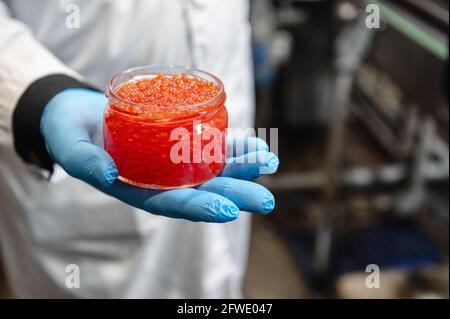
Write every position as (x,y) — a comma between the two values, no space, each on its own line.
(28,140)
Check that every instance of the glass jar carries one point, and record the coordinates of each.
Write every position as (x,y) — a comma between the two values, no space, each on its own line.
(169,146)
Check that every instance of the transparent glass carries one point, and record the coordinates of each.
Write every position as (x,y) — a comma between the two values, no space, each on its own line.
(171,146)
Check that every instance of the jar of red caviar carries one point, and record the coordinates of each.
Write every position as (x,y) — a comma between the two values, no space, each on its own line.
(164,126)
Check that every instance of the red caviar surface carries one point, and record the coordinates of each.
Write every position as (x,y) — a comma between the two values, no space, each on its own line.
(137,132)
(168,90)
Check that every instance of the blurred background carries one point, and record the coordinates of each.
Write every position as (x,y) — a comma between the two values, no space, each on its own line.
(362,118)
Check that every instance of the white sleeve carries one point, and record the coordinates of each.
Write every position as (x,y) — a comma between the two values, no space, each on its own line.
(22,61)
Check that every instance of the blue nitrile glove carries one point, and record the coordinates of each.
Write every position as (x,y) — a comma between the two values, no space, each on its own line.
(72,121)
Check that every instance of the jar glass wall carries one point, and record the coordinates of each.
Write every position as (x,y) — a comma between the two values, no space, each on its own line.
(165,146)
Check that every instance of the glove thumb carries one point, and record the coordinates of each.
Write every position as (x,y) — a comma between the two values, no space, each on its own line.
(90,163)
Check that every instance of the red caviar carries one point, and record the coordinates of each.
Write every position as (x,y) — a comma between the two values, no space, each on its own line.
(142,116)
(168,91)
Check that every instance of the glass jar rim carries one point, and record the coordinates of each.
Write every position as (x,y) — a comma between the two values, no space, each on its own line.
(152,70)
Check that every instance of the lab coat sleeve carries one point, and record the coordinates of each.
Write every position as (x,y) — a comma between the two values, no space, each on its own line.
(30,75)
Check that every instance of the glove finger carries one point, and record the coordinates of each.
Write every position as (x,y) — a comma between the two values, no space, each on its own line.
(246,195)
(240,145)
(186,203)
(251,165)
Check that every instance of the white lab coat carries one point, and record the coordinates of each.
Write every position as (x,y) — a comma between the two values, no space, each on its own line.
(120,251)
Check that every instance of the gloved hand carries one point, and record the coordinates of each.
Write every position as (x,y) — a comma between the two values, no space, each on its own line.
(72,121)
